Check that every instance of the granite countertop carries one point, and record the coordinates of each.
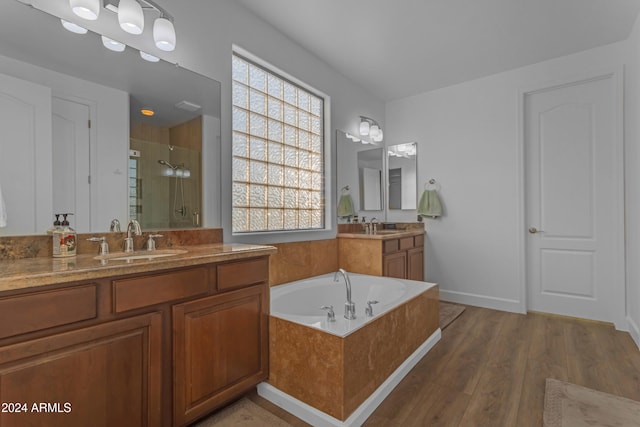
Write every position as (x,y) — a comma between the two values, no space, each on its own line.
(385,234)
(41,271)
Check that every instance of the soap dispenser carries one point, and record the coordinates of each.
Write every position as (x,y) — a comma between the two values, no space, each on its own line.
(65,239)
(56,225)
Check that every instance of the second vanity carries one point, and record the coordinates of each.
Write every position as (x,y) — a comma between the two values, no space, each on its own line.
(138,342)
(390,252)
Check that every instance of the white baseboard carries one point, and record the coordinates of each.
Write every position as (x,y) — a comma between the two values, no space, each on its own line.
(318,418)
(634,331)
(502,304)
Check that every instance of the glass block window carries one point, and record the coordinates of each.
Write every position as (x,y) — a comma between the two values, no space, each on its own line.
(278,152)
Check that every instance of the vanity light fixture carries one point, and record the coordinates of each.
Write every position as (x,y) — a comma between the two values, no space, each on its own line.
(149,57)
(74,28)
(113,45)
(164,34)
(86,9)
(130,16)
(131,19)
(372,128)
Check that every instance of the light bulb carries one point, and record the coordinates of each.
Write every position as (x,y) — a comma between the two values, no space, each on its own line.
(112,44)
(164,34)
(364,128)
(86,9)
(187,173)
(373,131)
(130,16)
(148,57)
(379,137)
(74,28)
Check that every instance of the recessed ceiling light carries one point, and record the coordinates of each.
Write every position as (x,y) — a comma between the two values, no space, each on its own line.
(147,112)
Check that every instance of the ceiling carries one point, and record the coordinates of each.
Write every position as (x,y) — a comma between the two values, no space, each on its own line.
(399,48)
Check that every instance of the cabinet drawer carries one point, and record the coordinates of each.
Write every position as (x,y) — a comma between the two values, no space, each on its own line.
(418,241)
(243,273)
(389,246)
(137,292)
(406,243)
(41,310)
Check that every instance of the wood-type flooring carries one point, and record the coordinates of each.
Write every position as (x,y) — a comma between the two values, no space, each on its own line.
(489,369)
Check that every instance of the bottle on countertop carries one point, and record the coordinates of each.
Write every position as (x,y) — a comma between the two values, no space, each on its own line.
(56,225)
(65,239)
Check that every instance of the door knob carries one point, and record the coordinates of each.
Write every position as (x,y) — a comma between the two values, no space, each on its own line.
(534,230)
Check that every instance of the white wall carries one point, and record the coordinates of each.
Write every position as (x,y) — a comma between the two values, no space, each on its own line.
(468,139)
(206,31)
(632,181)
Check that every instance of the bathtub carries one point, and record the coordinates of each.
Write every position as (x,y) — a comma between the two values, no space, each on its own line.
(335,373)
(300,301)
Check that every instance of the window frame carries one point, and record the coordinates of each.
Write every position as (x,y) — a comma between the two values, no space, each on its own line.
(326,146)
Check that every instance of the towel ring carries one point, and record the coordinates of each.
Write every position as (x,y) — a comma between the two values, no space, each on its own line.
(431,185)
(345,188)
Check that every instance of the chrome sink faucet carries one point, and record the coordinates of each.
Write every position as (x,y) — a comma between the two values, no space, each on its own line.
(133,226)
(373,226)
(349,306)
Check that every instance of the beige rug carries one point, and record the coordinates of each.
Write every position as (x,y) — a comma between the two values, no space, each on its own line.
(449,313)
(243,413)
(570,405)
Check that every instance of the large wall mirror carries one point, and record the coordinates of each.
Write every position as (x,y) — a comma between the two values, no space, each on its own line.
(73,138)
(361,167)
(402,176)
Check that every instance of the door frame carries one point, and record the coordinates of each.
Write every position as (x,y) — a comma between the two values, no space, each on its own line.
(616,74)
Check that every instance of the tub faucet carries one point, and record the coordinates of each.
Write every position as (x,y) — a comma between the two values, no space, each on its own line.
(349,306)
(133,226)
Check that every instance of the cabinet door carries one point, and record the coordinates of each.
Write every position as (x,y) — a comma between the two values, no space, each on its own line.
(220,350)
(105,375)
(395,265)
(415,264)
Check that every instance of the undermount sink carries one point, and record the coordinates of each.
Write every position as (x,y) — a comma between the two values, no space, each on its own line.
(140,255)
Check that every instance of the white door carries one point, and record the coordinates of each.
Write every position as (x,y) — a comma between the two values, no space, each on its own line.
(573,202)
(25,155)
(71,185)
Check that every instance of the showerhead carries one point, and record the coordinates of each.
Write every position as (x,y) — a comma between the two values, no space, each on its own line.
(165,163)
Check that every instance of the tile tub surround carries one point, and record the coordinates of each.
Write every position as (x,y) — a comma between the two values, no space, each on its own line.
(300,260)
(40,245)
(346,371)
(26,273)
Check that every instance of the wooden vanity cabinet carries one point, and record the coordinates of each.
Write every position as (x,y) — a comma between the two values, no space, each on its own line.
(220,350)
(400,257)
(151,349)
(103,375)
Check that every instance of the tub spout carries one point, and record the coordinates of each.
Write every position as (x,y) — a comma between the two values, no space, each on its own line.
(349,306)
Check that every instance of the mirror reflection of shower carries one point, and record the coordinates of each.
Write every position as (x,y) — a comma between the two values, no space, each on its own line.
(165,176)
(180,172)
